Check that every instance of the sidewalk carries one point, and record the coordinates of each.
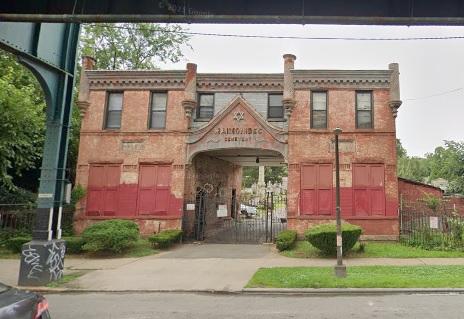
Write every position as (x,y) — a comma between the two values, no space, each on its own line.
(225,268)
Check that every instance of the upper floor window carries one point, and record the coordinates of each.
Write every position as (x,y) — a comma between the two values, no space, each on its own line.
(318,109)
(364,109)
(114,110)
(158,110)
(205,108)
(275,108)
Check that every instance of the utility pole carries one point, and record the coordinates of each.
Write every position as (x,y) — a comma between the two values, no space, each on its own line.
(340,269)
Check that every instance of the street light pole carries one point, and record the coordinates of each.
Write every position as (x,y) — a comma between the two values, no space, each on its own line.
(340,269)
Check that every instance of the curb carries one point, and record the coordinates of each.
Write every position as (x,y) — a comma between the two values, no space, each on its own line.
(315,292)
(350,291)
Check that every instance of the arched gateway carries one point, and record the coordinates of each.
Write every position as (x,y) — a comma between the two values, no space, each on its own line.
(237,136)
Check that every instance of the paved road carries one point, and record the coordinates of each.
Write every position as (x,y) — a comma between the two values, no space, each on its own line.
(177,306)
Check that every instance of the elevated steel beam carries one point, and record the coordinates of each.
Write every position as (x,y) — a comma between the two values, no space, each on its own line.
(49,52)
(379,12)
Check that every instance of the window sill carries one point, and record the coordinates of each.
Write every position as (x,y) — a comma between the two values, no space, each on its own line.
(202,120)
(276,120)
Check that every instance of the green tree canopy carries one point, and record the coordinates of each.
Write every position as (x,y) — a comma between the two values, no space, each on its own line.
(22,108)
(131,46)
(445,162)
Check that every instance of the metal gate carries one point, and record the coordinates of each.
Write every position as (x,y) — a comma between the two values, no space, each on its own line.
(255,222)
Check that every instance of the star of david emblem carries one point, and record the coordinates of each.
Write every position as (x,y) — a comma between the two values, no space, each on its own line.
(239,116)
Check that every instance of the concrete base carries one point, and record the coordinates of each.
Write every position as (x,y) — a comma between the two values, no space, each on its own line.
(42,262)
(340,271)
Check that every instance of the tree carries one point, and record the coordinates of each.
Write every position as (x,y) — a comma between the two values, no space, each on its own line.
(131,46)
(22,108)
(448,162)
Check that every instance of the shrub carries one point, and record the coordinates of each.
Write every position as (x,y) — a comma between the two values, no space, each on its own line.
(324,237)
(286,239)
(74,245)
(7,233)
(77,194)
(166,238)
(14,244)
(113,235)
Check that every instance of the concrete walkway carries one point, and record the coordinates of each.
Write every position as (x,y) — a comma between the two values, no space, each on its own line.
(194,268)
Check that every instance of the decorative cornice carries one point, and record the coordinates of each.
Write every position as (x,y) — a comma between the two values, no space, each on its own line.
(341,78)
(303,79)
(140,80)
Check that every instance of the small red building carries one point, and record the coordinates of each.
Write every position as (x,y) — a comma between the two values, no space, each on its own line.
(150,140)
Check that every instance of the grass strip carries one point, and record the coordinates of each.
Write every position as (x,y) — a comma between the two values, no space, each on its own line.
(360,277)
(303,249)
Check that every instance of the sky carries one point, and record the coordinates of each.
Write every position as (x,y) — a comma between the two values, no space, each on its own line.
(431,71)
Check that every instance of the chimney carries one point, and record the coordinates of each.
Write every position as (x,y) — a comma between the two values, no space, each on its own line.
(289,90)
(395,100)
(88,63)
(190,91)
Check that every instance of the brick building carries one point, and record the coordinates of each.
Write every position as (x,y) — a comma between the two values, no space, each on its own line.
(151,140)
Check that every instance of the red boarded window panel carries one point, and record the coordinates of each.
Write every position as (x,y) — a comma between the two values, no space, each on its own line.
(103,186)
(369,189)
(154,189)
(316,189)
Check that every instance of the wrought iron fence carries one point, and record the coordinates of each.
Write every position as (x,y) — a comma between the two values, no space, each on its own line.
(430,230)
(257,221)
(21,217)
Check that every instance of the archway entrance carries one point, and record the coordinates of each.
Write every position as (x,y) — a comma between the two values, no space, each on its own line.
(234,201)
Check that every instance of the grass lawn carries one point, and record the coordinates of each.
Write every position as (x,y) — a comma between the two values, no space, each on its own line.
(65,279)
(6,254)
(360,277)
(142,248)
(304,249)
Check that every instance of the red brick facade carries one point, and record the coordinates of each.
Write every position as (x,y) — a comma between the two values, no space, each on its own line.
(151,175)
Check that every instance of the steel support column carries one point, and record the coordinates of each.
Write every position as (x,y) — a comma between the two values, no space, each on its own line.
(49,51)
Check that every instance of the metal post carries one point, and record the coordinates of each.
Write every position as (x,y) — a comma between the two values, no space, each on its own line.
(340,269)
(272,215)
(267,214)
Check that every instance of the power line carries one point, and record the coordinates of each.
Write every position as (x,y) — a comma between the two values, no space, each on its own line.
(434,95)
(257,36)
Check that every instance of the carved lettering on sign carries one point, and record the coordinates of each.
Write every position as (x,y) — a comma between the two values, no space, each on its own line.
(344,146)
(129,168)
(131,146)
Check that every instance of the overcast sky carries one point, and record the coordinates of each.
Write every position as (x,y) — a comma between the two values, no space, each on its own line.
(428,69)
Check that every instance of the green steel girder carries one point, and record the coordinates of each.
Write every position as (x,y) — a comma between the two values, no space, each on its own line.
(49,51)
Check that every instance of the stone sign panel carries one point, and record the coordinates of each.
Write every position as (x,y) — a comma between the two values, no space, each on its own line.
(237,126)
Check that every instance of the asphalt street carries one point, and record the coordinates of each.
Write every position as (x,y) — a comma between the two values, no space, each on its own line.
(204,306)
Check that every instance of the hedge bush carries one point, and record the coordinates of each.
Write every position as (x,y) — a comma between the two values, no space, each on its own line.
(114,235)
(74,245)
(324,237)
(14,244)
(166,238)
(286,239)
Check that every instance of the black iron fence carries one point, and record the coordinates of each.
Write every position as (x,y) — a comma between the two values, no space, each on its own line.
(431,230)
(257,221)
(20,218)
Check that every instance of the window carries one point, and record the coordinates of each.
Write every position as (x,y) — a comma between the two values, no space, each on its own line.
(154,189)
(318,109)
(158,110)
(369,189)
(275,107)
(102,190)
(114,110)
(364,110)
(206,108)
(316,189)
